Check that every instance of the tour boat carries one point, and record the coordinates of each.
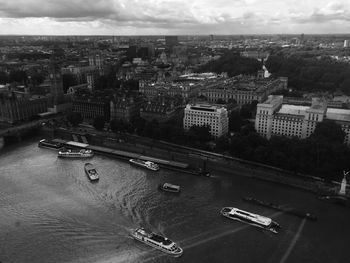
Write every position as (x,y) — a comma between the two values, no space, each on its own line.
(69,153)
(147,164)
(44,143)
(250,218)
(169,188)
(157,241)
(91,172)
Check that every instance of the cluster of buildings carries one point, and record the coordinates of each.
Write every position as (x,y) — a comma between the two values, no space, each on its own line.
(278,117)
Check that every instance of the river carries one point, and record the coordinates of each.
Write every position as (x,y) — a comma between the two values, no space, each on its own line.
(50,212)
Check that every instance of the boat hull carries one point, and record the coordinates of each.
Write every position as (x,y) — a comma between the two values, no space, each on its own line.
(272,227)
(158,247)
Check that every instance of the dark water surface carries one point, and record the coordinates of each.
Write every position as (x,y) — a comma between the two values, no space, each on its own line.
(50,212)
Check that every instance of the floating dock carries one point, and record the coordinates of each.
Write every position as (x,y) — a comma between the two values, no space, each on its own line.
(288,210)
(122,154)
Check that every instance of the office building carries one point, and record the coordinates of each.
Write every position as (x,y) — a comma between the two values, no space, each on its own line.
(214,116)
(275,118)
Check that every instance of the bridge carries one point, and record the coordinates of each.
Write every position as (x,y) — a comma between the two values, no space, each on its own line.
(18,129)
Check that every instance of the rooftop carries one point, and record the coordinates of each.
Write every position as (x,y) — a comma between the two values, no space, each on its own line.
(293,109)
(338,114)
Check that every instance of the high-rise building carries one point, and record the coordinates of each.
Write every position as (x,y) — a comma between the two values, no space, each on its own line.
(346,43)
(214,116)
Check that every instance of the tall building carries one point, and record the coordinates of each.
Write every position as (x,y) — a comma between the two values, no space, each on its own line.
(346,43)
(274,118)
(97,61)
(214,116)
(56,80)
(171,41)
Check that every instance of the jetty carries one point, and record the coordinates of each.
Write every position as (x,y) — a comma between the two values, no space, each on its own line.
(288,210)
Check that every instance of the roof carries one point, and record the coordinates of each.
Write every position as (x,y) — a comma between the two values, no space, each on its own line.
(338,114)
(293,109)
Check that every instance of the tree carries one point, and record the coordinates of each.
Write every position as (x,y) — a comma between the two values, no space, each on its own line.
(68,80)
(329,131)
(74,118)
(119,125)
(199,133)
(99,123)
(235,121)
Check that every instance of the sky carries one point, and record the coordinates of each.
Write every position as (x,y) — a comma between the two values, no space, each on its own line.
(173,17)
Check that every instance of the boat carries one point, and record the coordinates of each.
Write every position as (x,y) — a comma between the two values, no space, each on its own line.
(202,172)
(169,188)
(69,153)
(250,218)
(289,210)
(157,241)
(44,143)
(147,164)
(91,172)
(335,199)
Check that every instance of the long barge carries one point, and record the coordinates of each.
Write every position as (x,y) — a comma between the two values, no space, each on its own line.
(288,210)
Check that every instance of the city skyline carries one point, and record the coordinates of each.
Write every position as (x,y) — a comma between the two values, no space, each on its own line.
(157,17)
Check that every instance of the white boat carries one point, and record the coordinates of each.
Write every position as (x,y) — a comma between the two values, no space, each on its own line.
(91,172)
(69,153)
(169,188)
(44,143)
(146,164)
(250,218)
(157,241)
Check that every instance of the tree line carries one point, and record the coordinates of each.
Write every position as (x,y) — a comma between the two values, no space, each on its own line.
(309,74)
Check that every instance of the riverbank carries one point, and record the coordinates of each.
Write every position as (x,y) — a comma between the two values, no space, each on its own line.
(213,162)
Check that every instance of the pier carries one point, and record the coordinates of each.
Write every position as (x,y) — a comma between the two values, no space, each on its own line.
(173,165)
(288,210)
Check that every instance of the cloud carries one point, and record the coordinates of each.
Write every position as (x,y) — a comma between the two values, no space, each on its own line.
(169,16)
(333,11)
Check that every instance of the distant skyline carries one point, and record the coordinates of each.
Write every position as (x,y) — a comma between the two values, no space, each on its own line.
(175,17)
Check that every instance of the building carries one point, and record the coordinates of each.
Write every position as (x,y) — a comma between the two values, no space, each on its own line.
(15,109)
(275,118)
(186,90)
(346,43)
(171,41)
(91,107)
(125,108)
(161,109)
(243,90)
(214,116)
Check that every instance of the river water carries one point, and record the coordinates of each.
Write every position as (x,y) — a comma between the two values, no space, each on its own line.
(50,212)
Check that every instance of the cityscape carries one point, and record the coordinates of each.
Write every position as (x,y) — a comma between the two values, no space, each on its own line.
(159,131)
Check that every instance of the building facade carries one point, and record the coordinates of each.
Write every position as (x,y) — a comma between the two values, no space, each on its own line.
(214,116)
(90,108)
(274,118)
(14,109)
(125,108)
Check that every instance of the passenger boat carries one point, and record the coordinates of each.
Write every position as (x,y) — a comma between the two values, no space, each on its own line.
(250,218)
(69,153)
(44,143)
(157,241)
(169,188)
(147,164)
(91,172)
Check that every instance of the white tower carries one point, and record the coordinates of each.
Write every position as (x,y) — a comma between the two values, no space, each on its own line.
(342,190)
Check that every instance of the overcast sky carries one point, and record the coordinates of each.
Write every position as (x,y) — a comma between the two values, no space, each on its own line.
(158,17)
